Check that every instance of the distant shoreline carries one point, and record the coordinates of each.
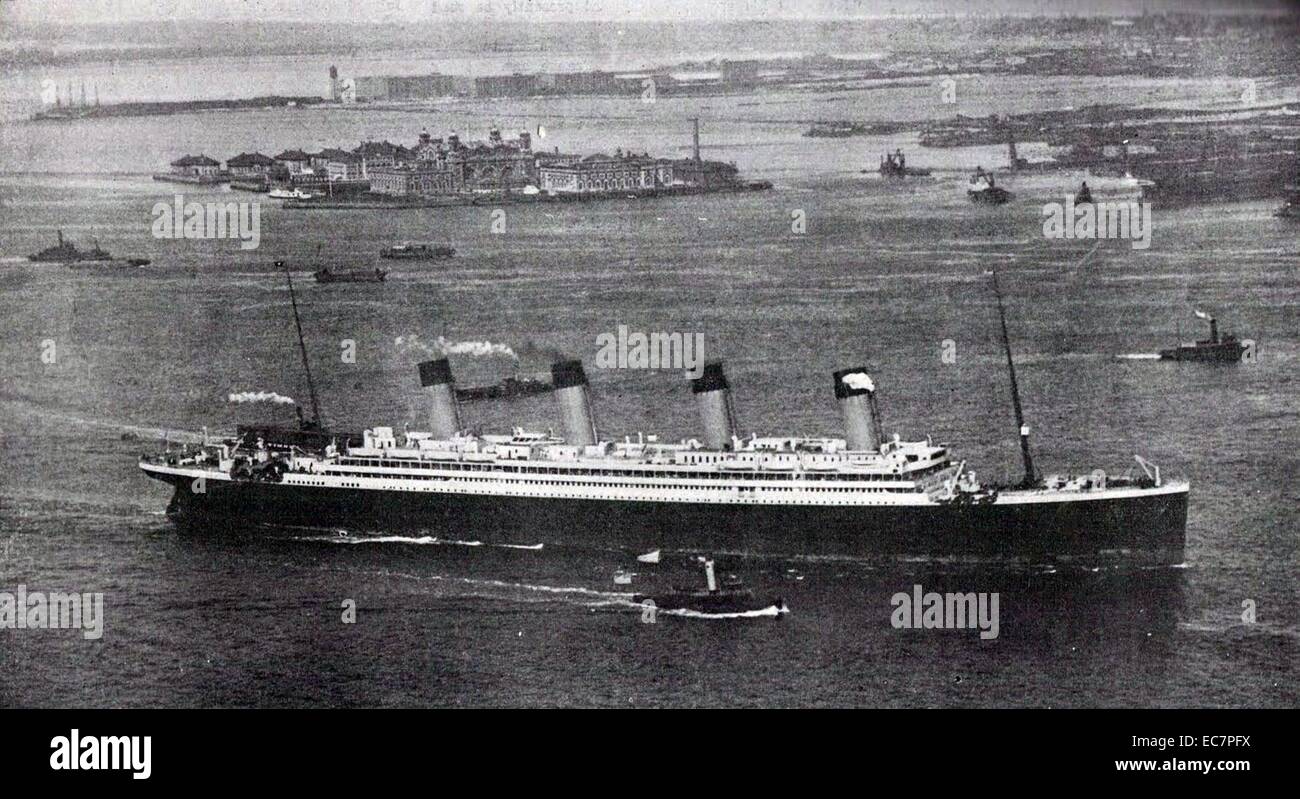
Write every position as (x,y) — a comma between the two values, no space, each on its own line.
(374,202)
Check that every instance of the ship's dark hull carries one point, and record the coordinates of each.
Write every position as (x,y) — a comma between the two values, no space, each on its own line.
(1151,525)
(993,196)
(723,602)
(1227,352)
(905,172)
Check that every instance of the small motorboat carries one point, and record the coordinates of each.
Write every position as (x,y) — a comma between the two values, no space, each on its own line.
(623,577)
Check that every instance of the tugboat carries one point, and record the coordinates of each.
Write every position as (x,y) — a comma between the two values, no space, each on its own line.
(1084,195)
(62,252)
(357,276)
(894,165)
(417,252)
(984,189)
(509,388)
(1228,349)
(729,598)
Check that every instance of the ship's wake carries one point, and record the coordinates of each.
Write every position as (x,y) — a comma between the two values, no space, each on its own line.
(1139,356)
(507,591)
(112,425)
(421,540)
(769,612)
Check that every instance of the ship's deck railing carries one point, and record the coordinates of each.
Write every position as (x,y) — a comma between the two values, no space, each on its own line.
(381,464)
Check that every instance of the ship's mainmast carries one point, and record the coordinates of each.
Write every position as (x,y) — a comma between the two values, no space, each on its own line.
(1031,477)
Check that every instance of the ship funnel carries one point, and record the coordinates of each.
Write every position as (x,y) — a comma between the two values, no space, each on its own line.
(713,395)
(444,420)
(1214,330)
(575,402)
(856,394)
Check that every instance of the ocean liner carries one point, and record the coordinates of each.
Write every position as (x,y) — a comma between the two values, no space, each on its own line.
(862,493)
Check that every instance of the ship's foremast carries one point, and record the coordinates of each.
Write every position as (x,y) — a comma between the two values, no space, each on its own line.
(1030,478)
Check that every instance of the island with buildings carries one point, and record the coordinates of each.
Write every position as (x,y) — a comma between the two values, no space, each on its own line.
(452,171)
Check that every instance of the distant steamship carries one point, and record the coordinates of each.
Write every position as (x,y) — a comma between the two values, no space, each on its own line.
(863,493)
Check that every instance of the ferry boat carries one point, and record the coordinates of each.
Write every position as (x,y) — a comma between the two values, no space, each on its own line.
(860,493)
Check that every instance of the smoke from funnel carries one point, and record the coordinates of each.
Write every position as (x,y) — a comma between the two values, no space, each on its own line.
(442,347)
(856,393)
(713,397)
(444,419)
(260,396)
(571,393)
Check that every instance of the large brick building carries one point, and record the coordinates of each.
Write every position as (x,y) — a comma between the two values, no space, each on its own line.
(603,173)
(450,166)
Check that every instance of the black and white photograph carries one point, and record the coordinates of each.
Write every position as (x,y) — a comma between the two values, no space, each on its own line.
(650,355)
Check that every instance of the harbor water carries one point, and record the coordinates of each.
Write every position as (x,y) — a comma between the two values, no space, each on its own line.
(890,276)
